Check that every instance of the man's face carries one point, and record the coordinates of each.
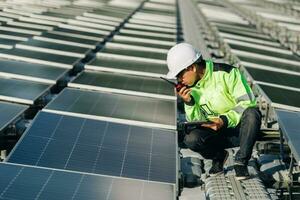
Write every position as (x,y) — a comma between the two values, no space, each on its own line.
(187,76)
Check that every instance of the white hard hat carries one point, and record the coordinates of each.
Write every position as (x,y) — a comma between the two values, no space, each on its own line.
(181,56)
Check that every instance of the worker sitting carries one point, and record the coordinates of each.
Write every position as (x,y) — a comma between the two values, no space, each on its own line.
(219,94)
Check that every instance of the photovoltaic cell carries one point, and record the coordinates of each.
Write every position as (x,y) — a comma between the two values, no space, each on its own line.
(71,38)
(123,82)
(9,112)
(140,43)
(32,43)
(26,182)
(136,109)
(263,52)
(282,96)
(274,64)
(12,33)
(99,147)
(137,53)
(128,65)
(83,33)
(274,77)
(31,70)
(245,33)
(289,125)
(13,88)
(40,57)
(170,39)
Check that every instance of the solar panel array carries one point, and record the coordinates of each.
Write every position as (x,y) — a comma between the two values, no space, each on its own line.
(113,129)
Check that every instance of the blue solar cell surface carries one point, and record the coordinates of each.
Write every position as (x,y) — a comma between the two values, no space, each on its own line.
(290,127)
(25,182)
(100,147)
(9,112)
(160,112)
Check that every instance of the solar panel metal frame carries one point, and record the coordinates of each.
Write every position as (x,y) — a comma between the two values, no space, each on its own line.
(91,86)
(136,122)
(16,114)
(177,161)
(83,179)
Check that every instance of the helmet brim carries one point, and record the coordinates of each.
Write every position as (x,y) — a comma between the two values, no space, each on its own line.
(172,75)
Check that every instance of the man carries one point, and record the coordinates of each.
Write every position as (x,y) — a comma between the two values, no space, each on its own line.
(219,94)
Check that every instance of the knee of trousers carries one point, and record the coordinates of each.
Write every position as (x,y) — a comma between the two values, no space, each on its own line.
(252,116)
(193,141)
(198,140)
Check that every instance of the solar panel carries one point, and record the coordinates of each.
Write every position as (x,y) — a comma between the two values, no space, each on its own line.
(136,53)
(40,58)
(13,33)
(278,54)
(141,43)
(103,21)
(27,27)
(150,29)
(30,71)
(9,112)
(95,25)
(8,42)
(274,64)
(80,32)
(228,36)
(26,182)
(60,14)
(13,90)
(154,26)
(113,13)
(236,26)
(32,25)
(53,48)
(150,22)
(245,33)
(136,67)
(100,147)
(142,35)
(72,38)
(126,84)
(289,125)
(282,96)
(120,108)
(274,77)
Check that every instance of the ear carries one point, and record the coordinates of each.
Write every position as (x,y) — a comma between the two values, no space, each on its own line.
(194,67)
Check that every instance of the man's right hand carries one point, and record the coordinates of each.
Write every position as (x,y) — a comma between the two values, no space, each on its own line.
(185,94)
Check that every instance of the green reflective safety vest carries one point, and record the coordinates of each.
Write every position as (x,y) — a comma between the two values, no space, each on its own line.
(222,92)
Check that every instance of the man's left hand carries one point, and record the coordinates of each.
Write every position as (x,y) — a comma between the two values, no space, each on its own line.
(217,124)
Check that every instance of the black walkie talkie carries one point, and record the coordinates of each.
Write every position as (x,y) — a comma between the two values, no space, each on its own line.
(178,86)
